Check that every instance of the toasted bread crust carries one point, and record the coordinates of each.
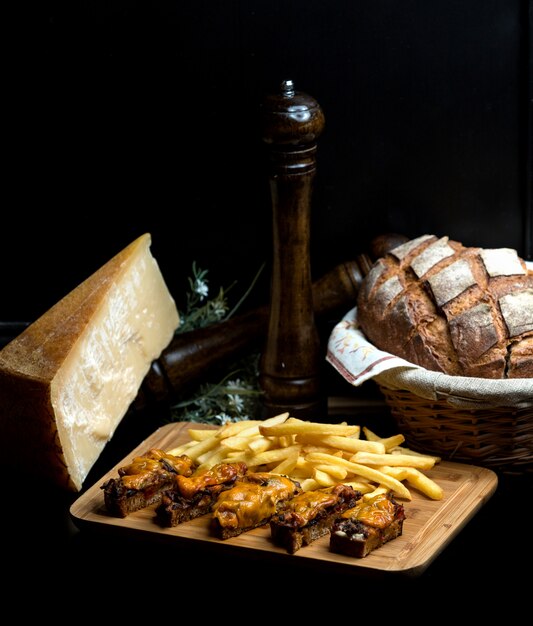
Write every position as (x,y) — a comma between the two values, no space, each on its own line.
(120,502)
(169,512)
(225,532)
(269,493)
(361,545)
(293,539)
(143,481)
(309,517)
(195,496)
(365,528)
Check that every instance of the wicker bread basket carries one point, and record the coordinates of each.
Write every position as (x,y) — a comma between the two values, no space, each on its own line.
(500,438)
(468,420)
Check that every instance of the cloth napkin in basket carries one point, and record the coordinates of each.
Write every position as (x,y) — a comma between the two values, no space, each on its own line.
(357,360)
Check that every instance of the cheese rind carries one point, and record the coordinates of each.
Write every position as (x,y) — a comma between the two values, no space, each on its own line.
(68,380)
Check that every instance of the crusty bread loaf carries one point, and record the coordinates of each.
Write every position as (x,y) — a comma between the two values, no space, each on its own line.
(460,310)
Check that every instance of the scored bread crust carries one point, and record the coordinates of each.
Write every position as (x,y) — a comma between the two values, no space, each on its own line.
(449,308)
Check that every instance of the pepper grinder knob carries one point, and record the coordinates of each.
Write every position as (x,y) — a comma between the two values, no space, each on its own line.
(290,364)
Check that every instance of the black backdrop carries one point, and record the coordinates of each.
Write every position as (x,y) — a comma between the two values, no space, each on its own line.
(127,117)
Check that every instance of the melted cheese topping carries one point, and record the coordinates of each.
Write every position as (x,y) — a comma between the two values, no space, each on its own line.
(219,474)
(252,500)
(377,512)
(137,474)
(307,505)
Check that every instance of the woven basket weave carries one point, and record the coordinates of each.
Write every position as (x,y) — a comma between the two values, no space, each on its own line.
(486,422)
(498,438)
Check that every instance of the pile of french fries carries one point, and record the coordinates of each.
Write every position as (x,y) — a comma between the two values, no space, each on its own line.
(317,455)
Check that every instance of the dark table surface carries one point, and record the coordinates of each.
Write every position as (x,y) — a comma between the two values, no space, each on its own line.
(484,566)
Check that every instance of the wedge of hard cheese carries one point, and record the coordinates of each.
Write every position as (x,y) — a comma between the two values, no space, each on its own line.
(68,380)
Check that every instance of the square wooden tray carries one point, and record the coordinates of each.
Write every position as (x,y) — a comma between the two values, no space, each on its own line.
(429,525)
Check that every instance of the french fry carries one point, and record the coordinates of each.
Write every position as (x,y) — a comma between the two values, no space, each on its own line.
(287,465)
(210,458)
(407,460)
(378,490)
(404,450)
(335,471)
(359,485)
(324,479)
(349,444)
(255,442)
(194,449)
(237,442)
(235,428)
(260,444)
(276,419)
(370,434)
(316,455)
(285,441)
(303,465)
(253,426)
(400,473)
(417,479)
(424,484)
(294,426)
(272,456)
(358,469)
(388,442)
(182,449)
(309,484)
(308,448)
(199,434)
(238,456)
(319,438)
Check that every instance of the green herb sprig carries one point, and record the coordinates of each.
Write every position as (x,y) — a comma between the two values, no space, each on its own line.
(237,396)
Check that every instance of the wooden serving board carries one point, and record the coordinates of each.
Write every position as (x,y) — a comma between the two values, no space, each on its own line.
(429,525)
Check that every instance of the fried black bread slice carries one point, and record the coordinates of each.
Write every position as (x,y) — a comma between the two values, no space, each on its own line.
(193,496)
(367,526)
(251,503)
(142,482)
(310,515)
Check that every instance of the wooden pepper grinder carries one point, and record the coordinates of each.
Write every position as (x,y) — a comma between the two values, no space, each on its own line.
(291,360)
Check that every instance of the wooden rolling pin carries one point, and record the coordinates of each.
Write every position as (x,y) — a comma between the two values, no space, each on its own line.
(192,355)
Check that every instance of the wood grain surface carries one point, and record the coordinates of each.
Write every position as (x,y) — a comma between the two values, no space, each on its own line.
(429,525)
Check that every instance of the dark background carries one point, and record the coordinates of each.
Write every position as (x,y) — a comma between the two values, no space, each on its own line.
(125,117)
